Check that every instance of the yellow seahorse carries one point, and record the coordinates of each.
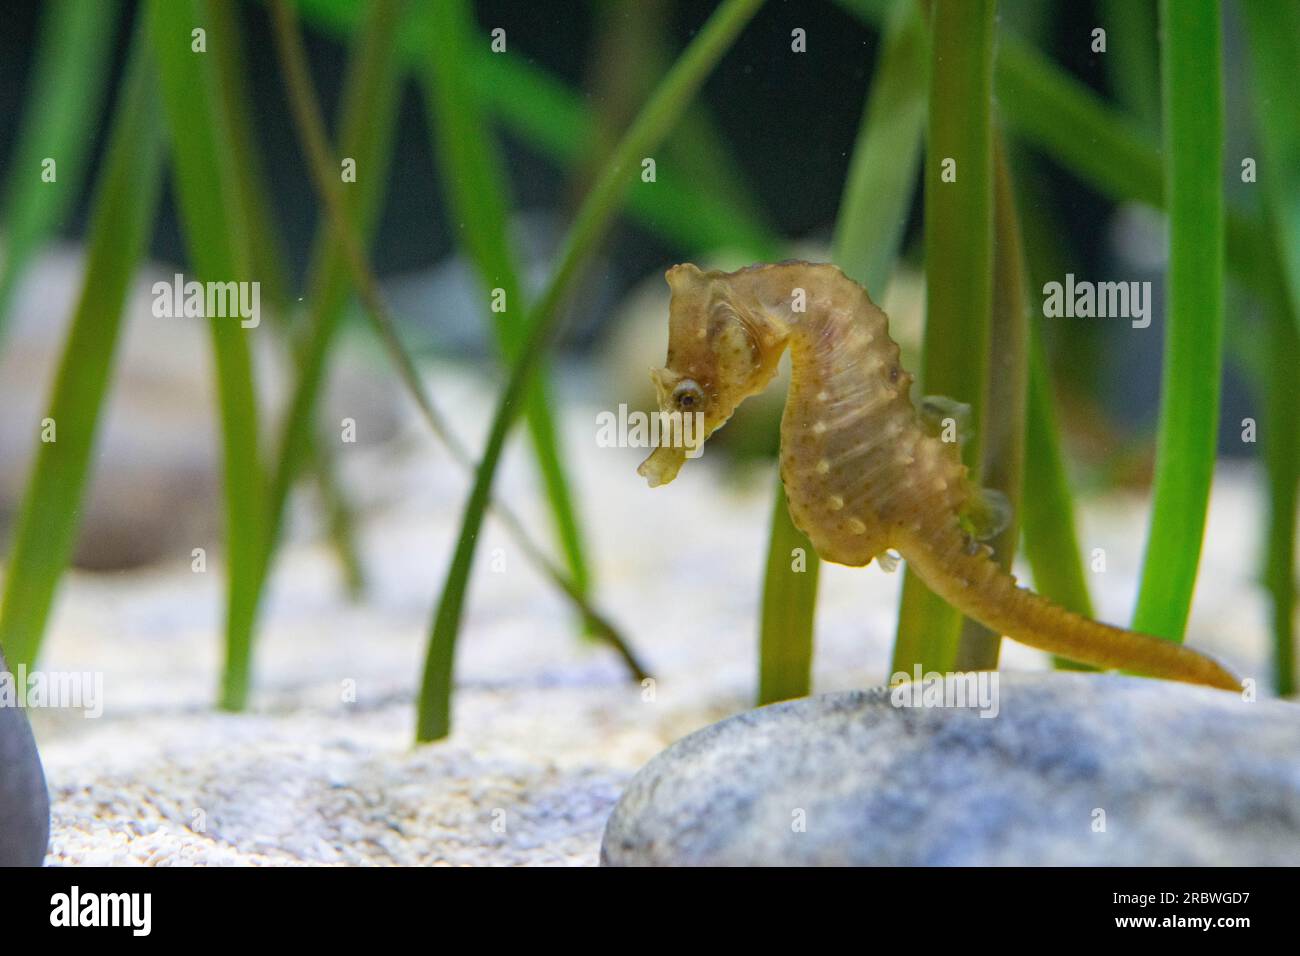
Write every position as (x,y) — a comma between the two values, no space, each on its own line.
(865,473)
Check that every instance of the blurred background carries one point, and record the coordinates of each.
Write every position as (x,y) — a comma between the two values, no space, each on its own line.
(136,493)
(769,138)
(765,129)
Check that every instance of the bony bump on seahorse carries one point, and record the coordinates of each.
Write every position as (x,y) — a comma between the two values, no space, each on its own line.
(866,475)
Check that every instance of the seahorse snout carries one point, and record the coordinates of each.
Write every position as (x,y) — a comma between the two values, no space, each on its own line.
(662,465)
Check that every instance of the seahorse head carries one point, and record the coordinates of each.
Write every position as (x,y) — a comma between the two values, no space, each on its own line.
(721,350)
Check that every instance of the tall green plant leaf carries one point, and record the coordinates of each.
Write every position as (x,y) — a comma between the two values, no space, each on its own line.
(476,187)
(68,85)
(1047,507)
(881,180)
(368,118)
(1051,542)
(788,613)
(1191,75)
(265,255)
(216,240)
(959,269)
(1046,108)
(1132,58)
(125,203)
(1273,31)
(1005,398)
(593,220)
(1280,450)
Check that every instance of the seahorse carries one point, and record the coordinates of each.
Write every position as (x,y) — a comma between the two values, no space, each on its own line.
(867,476)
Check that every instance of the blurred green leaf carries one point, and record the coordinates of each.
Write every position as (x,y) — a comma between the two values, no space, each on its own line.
(368,114)
(1273,31)
(631,48)
(1005,399)
(593,220)
(1051,543)
(552,119)
(1059,115)
(1132,57)
(265,253)
(477,190)
(881,180)
(216,240)
(788,614)
(1044,106)
(125,202)
(68,84)
(1281,452)
(1191,74)
(1047,508)
(959,270)
(1273,34)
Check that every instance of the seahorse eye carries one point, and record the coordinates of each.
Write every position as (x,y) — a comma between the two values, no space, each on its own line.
(687,395)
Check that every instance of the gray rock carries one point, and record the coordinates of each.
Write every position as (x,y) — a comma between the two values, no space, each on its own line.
(24,800)
(1178,775)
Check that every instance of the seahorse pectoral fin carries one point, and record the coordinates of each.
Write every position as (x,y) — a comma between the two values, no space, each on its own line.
(987,514)
(946,418)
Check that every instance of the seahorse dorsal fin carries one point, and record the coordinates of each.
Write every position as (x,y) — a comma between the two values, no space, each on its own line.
(988,514)
(946,418)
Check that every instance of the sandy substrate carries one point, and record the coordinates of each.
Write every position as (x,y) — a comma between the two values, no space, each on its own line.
(547,727)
